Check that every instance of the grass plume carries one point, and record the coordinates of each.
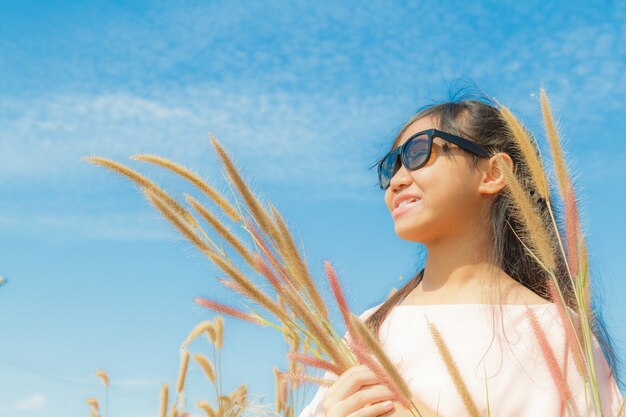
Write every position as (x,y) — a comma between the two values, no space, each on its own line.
(229,311)
(209,191)
(453,370)
(314,362)
(206,407)
(164,400)
(206,366)
(182,371)
(293,255)
(525,143)
(144,183)
(220,228)
(398,384)
(259,213)
(202,327)
(549,356)
(534,229)
(219,331)
(555,144)
(104,377)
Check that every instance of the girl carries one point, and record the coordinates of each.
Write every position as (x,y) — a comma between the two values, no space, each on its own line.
(478,285)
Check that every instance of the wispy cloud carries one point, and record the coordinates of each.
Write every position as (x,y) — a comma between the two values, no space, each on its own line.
(34,402)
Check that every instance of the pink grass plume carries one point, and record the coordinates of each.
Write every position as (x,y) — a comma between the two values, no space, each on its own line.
(229,311)
(549,357)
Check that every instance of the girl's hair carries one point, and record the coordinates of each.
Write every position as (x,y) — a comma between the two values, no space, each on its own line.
(478,118)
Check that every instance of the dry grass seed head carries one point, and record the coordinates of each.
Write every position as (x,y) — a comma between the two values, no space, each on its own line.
(144,182)
(220,228)
(203,327)
(364,334)
(206,366)
(218,322)
(206,407)
(93,402)
(250,199)
(525,144)
(453,371)
(104,377)
(522,208)
(555,144)
(182,372)
(164,399)
(209,191)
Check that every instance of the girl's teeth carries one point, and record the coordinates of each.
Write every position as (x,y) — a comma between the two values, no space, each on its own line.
(413,200)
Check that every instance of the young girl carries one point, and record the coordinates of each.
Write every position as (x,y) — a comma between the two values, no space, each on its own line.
(444,190)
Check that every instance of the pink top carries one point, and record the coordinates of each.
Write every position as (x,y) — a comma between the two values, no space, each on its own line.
(502,361)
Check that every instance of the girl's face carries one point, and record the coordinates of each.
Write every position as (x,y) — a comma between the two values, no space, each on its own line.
(446,188)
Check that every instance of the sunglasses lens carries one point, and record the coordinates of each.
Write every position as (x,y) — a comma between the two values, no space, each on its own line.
(416,153)
(387,168)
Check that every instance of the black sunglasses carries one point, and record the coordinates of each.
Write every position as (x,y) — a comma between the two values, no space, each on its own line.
(415,153)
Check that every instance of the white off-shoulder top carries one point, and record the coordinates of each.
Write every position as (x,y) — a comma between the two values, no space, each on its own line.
(498,357)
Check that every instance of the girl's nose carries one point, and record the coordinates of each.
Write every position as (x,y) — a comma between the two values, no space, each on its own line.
(402,178)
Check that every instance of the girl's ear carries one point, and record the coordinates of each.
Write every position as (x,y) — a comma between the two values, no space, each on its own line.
(492,179)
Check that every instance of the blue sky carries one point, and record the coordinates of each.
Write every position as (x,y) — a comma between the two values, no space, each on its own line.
(305,97)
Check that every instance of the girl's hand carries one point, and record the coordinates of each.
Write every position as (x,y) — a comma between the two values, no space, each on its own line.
(358,392)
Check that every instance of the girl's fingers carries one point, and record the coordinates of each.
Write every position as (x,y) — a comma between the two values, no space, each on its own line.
(378,409)
(351,381)
(365,397)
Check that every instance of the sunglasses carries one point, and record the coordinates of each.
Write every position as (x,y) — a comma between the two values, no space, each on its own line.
(416,152)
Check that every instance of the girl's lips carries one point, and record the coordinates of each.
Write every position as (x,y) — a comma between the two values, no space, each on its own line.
(405,208)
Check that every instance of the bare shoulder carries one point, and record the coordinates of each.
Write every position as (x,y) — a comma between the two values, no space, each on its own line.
(515,293)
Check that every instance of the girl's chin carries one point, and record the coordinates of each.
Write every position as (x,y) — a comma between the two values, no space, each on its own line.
(411,234)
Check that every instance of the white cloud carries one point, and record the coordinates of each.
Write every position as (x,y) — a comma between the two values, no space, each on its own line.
(34,402)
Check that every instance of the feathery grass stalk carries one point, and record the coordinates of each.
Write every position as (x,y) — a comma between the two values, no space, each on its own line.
(280,390)
(587,337)
(197,331)
(314,362)
(182,372)
(220,228)
(307,378)
(250,289)
(259,213)
(573,342)
(367,338)
(555,144)
(164,400)
(525,144)
(230,311)
(93,402)
(581,284)
(208,410)
(143,182)
(529,217)
(293,255)
(219,332)
(339,297)
(453,370)
(209,191)
(317,331)
(240,394)
(549,356)
(365,358)
(278,267)
(104,377)
(206,366)
(572,229)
